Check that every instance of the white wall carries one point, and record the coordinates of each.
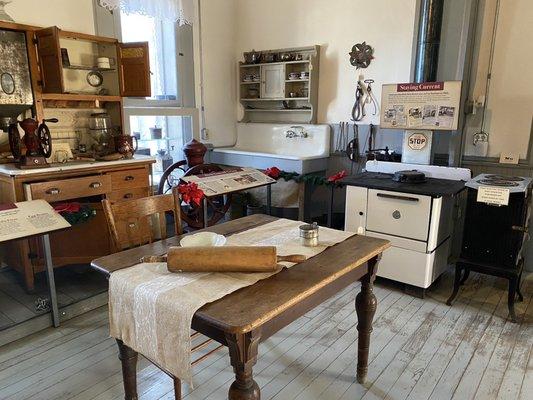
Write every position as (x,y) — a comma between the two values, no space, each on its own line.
(336,25)
(218,37)
(509,114)
(72,15)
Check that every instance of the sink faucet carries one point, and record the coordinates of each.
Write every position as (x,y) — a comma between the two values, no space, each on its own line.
(291,133)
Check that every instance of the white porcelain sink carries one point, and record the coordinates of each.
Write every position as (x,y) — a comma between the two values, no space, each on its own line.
(265,145)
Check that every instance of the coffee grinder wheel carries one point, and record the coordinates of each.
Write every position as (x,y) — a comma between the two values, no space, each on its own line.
(45,140)
(14,141)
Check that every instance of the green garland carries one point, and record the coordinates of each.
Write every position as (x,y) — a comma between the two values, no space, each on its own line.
(312,179)
(83,215)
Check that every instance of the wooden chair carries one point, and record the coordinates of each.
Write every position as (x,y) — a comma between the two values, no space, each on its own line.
(136,222)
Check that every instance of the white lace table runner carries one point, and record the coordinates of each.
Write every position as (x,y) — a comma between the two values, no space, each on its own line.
(151,309)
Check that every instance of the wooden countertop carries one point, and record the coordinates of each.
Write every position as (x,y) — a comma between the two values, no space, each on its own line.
(13,171)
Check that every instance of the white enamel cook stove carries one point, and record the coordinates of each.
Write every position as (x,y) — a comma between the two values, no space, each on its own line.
(418,218)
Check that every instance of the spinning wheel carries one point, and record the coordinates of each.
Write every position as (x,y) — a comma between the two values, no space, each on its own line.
(14,141)
(171,177)
(192,214)
(45,140)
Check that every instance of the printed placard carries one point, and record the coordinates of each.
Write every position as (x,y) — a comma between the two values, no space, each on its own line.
(28,218)
(231,180)
(509,158)
(493,195)
(426,105)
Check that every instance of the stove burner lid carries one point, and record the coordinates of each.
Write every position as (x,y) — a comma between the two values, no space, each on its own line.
(504,178)
(409,176)
(498,182)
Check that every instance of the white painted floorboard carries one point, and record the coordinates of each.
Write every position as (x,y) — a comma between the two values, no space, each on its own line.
(420,349)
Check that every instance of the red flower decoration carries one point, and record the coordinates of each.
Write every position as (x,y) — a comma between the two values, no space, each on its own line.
(67,207)
(273,172)
(190,193)
(337,177)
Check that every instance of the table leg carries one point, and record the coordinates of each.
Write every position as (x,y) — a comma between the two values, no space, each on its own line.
(204,210)
(269,200)
(51,280)
(128,358)
(365,306)
(243,356)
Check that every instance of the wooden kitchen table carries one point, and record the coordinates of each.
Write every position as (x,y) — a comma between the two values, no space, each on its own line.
(245,318)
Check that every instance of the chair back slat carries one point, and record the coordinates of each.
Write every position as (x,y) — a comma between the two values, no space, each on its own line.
(136,222)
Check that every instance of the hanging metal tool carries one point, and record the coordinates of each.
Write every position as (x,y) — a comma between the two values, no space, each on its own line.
(352,149)
(338,144)
(371,138)
(342,137)
(370,98)
(358,110)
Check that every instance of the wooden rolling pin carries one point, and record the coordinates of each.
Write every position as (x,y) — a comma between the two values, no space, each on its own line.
(223,259)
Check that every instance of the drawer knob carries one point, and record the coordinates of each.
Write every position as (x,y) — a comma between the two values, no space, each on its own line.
(129,178)
(53,191)
(95,185)
(396,214)
(128,195)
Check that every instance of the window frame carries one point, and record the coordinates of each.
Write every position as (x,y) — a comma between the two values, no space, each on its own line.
(184,105)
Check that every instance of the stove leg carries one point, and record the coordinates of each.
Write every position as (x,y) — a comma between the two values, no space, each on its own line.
(520,297)
(513,283)
(456,284)
(466,274)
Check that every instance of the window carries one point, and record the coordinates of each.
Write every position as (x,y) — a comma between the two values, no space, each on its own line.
(163,122)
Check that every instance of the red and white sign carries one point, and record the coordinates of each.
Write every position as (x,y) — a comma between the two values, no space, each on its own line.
(421,106)
(417,141)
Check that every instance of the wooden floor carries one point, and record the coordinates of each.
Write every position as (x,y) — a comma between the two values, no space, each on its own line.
(420,349)
(73,284)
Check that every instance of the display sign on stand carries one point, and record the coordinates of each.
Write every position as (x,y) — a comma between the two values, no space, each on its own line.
(230,181)
(427,105)
(29,219)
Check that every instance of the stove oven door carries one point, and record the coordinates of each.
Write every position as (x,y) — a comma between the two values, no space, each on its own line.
(400,214)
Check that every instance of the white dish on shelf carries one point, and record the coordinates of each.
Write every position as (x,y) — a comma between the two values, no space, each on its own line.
(203,239)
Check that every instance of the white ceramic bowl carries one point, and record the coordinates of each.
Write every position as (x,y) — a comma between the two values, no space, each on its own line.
(203,239)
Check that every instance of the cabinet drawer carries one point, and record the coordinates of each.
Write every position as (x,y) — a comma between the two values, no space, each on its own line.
(400,214)
(128,194)
(67,189)
(130,178)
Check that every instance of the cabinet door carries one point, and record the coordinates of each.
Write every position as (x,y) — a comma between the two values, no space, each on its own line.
(273,81)
(134,67)
(50,60)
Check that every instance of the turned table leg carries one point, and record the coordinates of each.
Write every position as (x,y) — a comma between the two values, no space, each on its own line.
(365,306)
(243,355)
(128,358)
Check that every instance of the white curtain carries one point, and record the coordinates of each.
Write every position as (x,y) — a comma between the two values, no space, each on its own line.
(181,11)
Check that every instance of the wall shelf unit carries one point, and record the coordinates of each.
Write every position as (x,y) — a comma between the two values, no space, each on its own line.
(271,94)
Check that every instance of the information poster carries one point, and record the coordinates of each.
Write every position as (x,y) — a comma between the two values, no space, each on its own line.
(230,180)
(28,218)
(427,105)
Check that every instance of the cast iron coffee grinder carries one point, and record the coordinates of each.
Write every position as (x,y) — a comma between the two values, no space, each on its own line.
(38,144)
